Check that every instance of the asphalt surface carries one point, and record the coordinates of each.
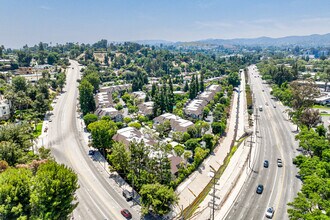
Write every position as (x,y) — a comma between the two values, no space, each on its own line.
(97,199)
(275,139)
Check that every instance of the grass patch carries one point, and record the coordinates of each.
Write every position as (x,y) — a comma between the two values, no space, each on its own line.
(37,131)
(324,114)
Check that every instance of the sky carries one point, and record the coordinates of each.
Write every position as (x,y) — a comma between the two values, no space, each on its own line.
(87,21)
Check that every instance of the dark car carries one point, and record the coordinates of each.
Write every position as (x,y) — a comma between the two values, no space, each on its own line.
(266,164)
(260,188)
(126,213)
(128,195)
(91,152)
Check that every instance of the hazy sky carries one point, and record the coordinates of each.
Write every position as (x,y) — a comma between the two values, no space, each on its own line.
(59,21)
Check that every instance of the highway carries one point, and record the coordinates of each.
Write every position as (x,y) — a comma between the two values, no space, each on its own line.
(97,199)
(275,139)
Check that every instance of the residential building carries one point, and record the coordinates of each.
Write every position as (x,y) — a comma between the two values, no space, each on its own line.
(130,134)
(139,95)
(146,108)
(103,99)
(177,123)
(113,113)
(175,164)
(116,88)
(4,109)
(194,108)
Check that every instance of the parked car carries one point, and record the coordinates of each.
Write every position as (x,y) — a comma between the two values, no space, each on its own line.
(127,194)
(260,188)
(270,212)
(266,164)
(279,162)
(126,213)
(91,152)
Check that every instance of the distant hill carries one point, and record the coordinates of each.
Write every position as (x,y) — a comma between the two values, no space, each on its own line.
(310,40)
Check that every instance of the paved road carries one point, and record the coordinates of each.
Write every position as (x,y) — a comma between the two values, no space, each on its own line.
(275,140)
(97,199)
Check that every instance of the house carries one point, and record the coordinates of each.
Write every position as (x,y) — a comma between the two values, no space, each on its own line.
(103,99)
(116,88)
(175,164)
(4,109)
(214,88)
(146,108)
(177,123)
(130,134)
(139,95)
(195,108)
(113,113)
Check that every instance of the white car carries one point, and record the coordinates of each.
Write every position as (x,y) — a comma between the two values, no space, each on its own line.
(270,212)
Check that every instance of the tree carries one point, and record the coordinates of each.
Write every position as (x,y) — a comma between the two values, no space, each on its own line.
(157,198)
(179,150)
(206,112)
(136,125)
(102,132)
(202,87)
(86,97)
(60,80)
(310,117)
(186,87)
(310,141)
(15,193)
(120,158)
(24,58)
(208,138)
(199,155)
(53,191)
(233,79)
(192,131)
(90,118)
(19,84)
(192,89)
(304,94)
(218,127)
(52,58)
(187,154)
(94,79)
(10,152)
(191,144)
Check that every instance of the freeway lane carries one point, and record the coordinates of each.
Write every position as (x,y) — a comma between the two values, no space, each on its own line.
(97,199)
(275,140)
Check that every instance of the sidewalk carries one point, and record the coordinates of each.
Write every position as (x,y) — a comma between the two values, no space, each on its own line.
(193,186)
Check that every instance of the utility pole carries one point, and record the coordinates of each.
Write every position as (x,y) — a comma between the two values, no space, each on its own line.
(213,205)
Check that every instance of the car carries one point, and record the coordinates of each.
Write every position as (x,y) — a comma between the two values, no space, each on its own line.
(91,152)
(270,212)
(279,162)
(126,213)
(266,164)
(274,106)
(260,188)
(263,90)
(128,195)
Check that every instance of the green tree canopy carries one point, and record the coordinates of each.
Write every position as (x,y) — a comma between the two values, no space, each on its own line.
(157,198)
